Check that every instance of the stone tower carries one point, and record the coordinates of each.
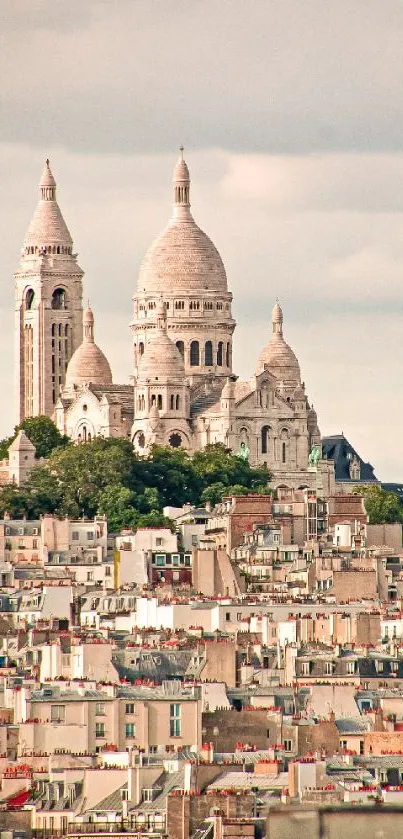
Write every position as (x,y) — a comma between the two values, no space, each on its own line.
(184,268)
(48,306)
(21,458)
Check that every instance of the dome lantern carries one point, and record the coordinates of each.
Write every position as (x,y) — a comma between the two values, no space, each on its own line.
(181,182)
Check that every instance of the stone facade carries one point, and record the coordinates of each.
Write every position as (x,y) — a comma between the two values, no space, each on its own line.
(48,306)
(184,391)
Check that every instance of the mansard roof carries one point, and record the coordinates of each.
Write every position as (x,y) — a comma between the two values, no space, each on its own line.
(338,448)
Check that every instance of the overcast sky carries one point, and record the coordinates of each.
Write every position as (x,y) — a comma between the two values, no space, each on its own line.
(292,120)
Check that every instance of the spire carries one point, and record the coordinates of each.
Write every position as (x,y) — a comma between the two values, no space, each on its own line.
(48,232)
(88,325)
(277,319)
(47,184)
(181,182)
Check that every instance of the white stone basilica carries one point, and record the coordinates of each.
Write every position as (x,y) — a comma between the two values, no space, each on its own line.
(184,392)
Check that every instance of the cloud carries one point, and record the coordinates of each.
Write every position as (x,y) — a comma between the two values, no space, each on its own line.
(290,115)
(138,76)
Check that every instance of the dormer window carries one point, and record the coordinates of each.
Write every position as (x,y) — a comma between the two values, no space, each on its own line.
(355,469)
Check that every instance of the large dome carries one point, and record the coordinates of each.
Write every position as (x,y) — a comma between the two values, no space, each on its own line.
(182,258)
(277,355)
(88,364)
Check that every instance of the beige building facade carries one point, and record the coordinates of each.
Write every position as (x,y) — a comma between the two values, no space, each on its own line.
(48,306)
(184,391)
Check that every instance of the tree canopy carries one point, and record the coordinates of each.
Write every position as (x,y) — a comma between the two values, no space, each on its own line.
(382,507)
(107,477)
(43,434)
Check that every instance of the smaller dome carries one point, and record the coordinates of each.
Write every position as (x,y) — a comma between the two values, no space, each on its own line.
(88,364)
(277,355)
(161,361)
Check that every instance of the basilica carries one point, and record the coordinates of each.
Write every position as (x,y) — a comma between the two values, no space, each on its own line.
(184,392)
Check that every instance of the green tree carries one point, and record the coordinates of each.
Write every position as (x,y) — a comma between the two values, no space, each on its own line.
(170,472)
(84,471)
(116,503)
(382,507)
(213,493)
(43,434)
(218,465)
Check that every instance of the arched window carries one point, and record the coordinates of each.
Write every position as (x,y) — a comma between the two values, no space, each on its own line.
(208,354)
(59,299)
(29,298)
(228,355)
(194,354)
(265,439)
(284,435)
(219,353)
(159,402)
(141,348)
(172,402)
(178,401)
(181,348)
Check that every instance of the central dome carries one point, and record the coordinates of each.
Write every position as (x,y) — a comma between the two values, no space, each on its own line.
(182,258)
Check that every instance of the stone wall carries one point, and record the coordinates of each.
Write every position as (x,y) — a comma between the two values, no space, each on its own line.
(354,585)
(332,822)
(232,727)
(323,736)
(185,813)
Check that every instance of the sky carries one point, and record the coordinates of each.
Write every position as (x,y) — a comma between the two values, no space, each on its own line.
(291,115)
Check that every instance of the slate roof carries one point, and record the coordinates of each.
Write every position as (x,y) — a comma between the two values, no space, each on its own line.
(354,725)
(338,448)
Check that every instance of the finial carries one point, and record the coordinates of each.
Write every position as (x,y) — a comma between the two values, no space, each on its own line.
(277,318)
(47,184)
(181,182)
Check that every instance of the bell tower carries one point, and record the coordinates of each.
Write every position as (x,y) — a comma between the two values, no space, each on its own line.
(48,306)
